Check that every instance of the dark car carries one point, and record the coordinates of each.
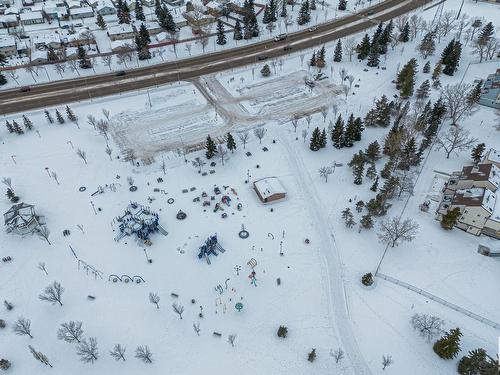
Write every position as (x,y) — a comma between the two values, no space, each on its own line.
(25,89)
(287,48)
(262,57)
(121,73)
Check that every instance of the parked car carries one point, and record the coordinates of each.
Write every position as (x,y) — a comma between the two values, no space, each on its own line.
(65,27)
(280,37)
(262,57)
(121,73)
(287,48)
(25,89)
(313,28)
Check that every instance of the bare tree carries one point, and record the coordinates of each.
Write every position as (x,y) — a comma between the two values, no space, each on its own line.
(154,299)
(54,176)
(386,361)
(324,112)
(144,354)
(60,68)
(39,356)
(118,352)
(196,327)
(304,134)
(188,46)
(325,172)
(91,120)
(454,140)
(52,293)
(103,127)
(231,339)
(22,327)
(428,326)
(108,61)
(41,266)
(43,232)
(222,151)
(105,112)
(417,23)
(343,74)
(70,331)
(456,99)
(178,309)
(338,354)
(243,136)
(448,21)
(13,75)
(260,133)
(395,230)
(82,154)
(109,150)
(73,65)
(350,46)
(88,350)
(350,79)
(198,163)
(31,70)
(346,89)
(405,183)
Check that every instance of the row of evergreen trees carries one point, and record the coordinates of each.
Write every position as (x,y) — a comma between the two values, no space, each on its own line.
(211,147)
(371,49)
(14,127)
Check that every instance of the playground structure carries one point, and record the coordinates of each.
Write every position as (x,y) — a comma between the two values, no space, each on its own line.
(22,219)
(211,246)
(140,221)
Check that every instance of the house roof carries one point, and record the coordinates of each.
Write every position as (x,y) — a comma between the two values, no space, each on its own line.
(482,172)
(269,186)
(493,156)
(120,29)
(7,41)
(30,16)
(83,10)
(475,197)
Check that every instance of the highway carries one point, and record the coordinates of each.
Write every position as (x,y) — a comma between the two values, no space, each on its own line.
(82,88)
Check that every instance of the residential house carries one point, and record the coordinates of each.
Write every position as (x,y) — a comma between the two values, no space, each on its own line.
(153,27)
(492,156)
(197,20)
(105,8)
(473,192)
(6,3)
(27,3)
(490,95)
(120,32)
(31,18)
(41,41)
(8,46)
(79,13)
(38,57)
(8,21)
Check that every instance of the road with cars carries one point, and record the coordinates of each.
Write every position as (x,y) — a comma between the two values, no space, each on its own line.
(85,88)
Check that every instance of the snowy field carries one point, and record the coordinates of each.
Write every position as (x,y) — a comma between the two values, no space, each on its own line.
(320,298)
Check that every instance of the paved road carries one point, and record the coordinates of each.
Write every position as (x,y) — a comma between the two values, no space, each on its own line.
(66,91)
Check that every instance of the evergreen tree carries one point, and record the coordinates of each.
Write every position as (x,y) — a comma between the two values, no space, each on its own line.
(380,115)
(371,172)
(389,189)
(338,133)
(139,11)
(386,37)
(357,164)
(158,10)
(166,20)
(3,59)
(100,22)
(374,55)
(10,194)
(9,126)
(374,187)
(315,143)
(265,71)
(350,131)
(449,219)
(405,81)
(448,346)
(372,152)
(3,80)
(221,37)
(284,12)
(312,62)
(408,154)
(475,363)
(387,170)
(82,57)
(484,38)
(210,147)
(17,128)
(424,90)
(342,4)
(377,34)
(475,94)
(231,144)
(405,33)
(477,153)
(320,57)
(364,48)
(447,52)
(436,83)
(427,46)
(60,118)
(48,117)
(144,33)
(237,31)
(366,221)
(28,124)
(312,4)
(71,116)
(358,129)
(304,13)
(453,60)
(427,67)
(124,14)
(323,139)
(337,55)
(142,48)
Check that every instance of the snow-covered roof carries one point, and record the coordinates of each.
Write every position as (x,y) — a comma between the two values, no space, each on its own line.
(8,18)
(493,156)
(46,38)
(120,29)
(31,16)
(269,186)
(7,41)
(11,10)
(83,10)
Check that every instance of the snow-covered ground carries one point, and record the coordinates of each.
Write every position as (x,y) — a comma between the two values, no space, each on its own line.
(320,298)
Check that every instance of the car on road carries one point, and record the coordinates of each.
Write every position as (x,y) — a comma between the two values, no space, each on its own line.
(65,27)
(121,73)
(370,13)
(262,57)
(280,37)
(313,28)
(25,89)
(287,48)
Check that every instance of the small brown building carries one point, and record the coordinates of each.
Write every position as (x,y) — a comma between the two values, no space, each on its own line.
(269,189)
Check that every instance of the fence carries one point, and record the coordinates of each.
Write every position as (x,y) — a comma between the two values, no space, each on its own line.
(439,300)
